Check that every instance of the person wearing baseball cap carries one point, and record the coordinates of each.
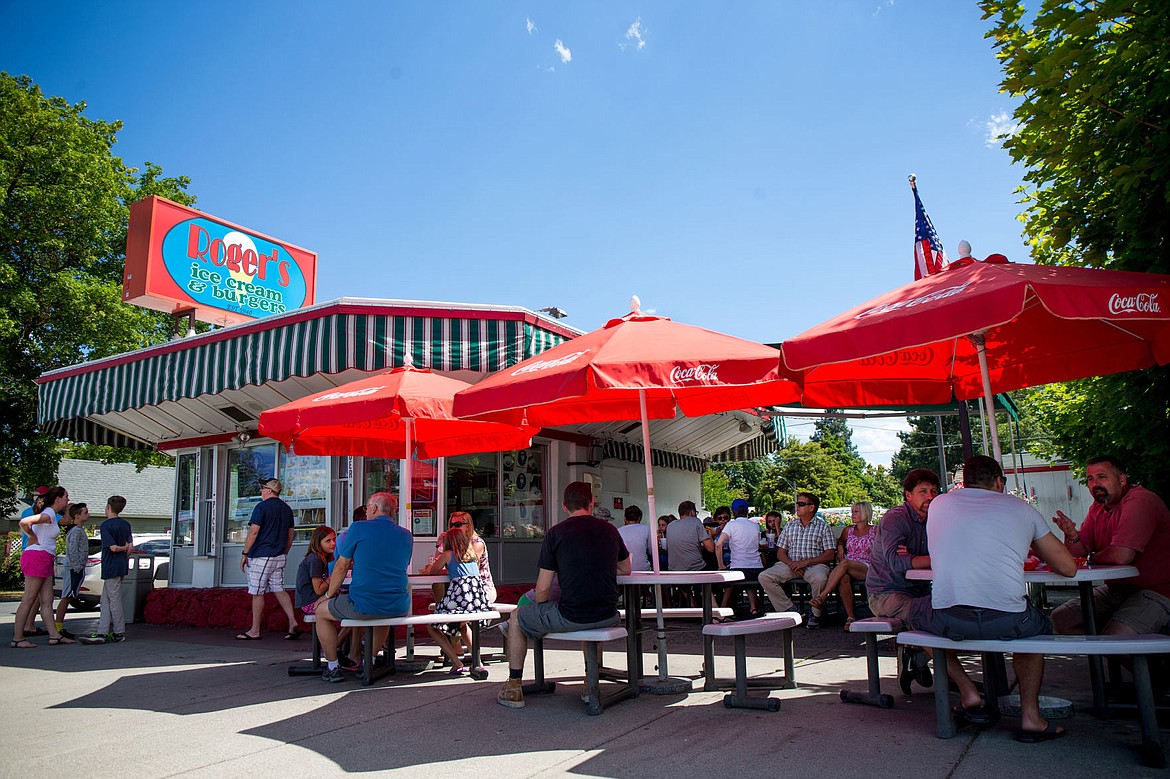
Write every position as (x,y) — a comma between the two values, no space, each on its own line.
(742,536)
(270,537)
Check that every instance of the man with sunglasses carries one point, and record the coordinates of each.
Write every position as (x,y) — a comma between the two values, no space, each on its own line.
(270,537)
(804,549)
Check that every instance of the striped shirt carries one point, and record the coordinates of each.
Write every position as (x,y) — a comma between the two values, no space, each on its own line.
(802,542)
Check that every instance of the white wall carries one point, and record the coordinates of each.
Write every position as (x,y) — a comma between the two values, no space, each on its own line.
(1055,490)
(671,487)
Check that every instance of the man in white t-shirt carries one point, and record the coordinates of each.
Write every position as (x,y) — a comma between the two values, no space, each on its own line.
(636,537)
(979,539)
(742,535)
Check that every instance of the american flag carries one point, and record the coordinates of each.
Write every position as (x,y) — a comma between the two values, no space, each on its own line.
(929,256)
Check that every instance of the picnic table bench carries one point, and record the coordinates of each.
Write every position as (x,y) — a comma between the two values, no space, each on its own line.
(1139,648)
(369,675)
(783,621)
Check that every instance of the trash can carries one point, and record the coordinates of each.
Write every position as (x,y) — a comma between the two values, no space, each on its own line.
(138,582)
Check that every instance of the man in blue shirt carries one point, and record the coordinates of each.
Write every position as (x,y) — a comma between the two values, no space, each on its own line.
(381,550)
(270,536)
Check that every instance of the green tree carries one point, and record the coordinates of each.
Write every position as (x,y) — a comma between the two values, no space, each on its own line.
(717,490)
(1093,81)
(920,447)
(64,209)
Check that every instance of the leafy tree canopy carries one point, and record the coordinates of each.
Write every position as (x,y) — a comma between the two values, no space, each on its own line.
(1093,81)
(64,209)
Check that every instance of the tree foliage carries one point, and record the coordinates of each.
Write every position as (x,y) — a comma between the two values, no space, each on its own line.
(64,209)
(717,489)
(1093,81)
(920,446)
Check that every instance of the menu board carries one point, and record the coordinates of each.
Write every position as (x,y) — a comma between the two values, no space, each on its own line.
(522,476)
(306,487)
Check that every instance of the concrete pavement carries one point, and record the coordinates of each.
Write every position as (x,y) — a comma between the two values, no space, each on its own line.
(180,701)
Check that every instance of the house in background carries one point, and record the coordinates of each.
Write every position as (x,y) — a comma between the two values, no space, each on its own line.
(149,494)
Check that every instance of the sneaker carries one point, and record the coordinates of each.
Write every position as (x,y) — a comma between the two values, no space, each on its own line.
(905,669)
(920,666)
(511,694)
(813,623)
(93,638)
(114,638)
(332,675)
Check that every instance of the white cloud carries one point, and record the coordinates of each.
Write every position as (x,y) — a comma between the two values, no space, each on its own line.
(531,25)
(636,34)
(999,128)
(563,51)
(877,439)
(883,6)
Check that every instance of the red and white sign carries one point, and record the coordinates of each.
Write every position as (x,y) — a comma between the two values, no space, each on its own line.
(179,259)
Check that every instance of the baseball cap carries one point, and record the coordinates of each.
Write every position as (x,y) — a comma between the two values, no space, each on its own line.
(739,504)
(272,484)
(601,512)
(42,490)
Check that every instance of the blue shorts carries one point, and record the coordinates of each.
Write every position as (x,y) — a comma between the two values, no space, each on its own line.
(961,623)
(71,583)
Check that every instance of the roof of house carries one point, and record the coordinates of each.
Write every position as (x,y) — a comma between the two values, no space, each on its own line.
(150,493)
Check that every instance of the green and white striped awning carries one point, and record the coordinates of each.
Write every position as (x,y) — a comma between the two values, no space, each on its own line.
(633,453)
(326,339)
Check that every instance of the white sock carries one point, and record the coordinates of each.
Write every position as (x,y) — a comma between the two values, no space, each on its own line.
(332,664)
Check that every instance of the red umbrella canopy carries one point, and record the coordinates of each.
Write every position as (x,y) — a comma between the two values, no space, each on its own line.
(368,418)
(1041,325)
(597,377)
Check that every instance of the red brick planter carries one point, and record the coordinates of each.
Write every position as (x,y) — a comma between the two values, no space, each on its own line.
(231,607)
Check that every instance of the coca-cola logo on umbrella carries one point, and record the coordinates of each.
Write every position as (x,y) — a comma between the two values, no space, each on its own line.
(941,294)
(704,373)
(348,394)
(920,356)
(1142,303)
(544,365)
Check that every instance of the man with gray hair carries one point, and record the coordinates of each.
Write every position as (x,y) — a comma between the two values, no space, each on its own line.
(381,550)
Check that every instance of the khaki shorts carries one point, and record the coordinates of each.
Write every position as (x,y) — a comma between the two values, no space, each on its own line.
(1144,611)
(895,604)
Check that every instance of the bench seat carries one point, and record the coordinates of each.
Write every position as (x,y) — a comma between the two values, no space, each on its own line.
(592,640)
(682,613)
(783,621)
(474,618)
(871,628)
(1138,648)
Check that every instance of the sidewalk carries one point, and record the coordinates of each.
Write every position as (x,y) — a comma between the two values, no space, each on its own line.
(184,701)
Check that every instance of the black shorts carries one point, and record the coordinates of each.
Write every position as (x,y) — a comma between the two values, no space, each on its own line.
(71,583)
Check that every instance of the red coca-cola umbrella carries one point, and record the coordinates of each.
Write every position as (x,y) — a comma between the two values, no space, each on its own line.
(636,367)
(403,413)
(979,326)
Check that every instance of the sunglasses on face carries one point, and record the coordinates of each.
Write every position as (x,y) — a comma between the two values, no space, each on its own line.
(803,503)
(458,524)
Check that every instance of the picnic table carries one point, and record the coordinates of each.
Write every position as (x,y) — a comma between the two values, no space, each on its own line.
(1084,578)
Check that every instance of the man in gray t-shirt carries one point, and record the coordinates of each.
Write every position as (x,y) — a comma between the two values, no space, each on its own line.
(685,537)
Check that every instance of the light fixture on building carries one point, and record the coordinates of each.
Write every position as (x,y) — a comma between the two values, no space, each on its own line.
(554,312)
(243,436)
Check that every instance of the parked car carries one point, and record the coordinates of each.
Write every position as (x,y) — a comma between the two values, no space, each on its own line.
(160,547)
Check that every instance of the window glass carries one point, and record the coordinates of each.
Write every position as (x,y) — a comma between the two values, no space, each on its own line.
(305,482)
(385,475)
(473,486)
(185,501)
(522,486)
(246,466)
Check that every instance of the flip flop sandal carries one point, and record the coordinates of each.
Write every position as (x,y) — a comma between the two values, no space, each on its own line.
(848,622)
(246,637)
(458,671)
(1051,733)
(292,635)
(23,644)
(61,640)
(979,716)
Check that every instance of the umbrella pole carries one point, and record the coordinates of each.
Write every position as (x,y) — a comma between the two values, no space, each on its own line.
(985,374)
(405,488)
(661,624)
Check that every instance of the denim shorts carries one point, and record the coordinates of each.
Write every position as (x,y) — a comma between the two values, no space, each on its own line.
(961,623)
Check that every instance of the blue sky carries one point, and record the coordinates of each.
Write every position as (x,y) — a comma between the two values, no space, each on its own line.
(738,166)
